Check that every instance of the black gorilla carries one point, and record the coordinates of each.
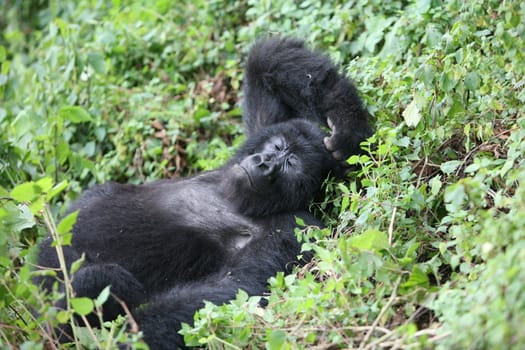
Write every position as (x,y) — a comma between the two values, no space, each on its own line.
(169,245)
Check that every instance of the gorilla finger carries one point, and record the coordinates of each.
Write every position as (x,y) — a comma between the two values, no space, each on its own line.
(331,124)
(338,155)
(329,143)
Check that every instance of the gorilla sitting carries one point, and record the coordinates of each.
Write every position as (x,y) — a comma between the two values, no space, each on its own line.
(166,247)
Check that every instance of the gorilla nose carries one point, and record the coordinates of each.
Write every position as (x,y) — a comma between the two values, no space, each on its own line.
(264,162)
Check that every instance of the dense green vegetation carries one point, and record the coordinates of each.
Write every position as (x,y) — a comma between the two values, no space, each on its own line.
(426,246)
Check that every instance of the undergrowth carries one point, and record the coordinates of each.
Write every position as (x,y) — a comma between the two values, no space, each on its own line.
(426,245)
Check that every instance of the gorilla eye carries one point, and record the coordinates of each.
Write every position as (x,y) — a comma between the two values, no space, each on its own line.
(279,145)
(291,161)
(275,144)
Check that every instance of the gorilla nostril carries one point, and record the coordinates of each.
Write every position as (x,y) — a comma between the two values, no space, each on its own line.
(257,160)
(263,161)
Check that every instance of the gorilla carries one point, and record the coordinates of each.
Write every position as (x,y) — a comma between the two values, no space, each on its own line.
(166,247)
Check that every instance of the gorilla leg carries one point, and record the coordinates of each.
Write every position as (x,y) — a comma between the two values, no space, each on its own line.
(161,318)
(89,281)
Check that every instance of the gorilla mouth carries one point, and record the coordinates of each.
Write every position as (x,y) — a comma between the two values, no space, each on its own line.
(250,180)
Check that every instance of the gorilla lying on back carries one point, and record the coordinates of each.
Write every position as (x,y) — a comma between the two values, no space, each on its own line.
(169,245)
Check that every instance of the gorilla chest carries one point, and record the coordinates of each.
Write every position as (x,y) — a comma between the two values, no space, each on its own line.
(201,211)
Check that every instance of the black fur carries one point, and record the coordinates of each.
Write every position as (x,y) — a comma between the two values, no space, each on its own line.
(165,247)
(284,80)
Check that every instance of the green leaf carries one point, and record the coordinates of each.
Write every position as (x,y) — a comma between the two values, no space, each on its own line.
(343,189)
(18,217)
(82,306)
(96,61)
(45,184)
(418,278)
(5,261)
(63,26)
(77,264)
(353,160)
(371,239)
(323,253)
(454,197)
(56,190)
(200,113)
(344,203)
(434,38)
(299,221)
(29,192)
(276,339)
(411,114)
(74,114)
(25,192)
(62,152)
(65,239)
(62,317)
(67,223)
(435,185)
(422,6)
(472,81)
(102,297)
(447,82)
(36,205)
(3,53)
(449,167)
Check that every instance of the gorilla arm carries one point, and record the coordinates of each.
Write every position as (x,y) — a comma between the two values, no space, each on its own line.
(285,80)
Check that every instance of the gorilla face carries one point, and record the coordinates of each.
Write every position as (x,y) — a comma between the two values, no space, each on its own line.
(275,165)
(279,169)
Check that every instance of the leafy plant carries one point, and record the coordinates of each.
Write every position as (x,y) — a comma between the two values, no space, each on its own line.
(424,247)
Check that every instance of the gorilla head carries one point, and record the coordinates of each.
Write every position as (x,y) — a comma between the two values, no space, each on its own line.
(278,169)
